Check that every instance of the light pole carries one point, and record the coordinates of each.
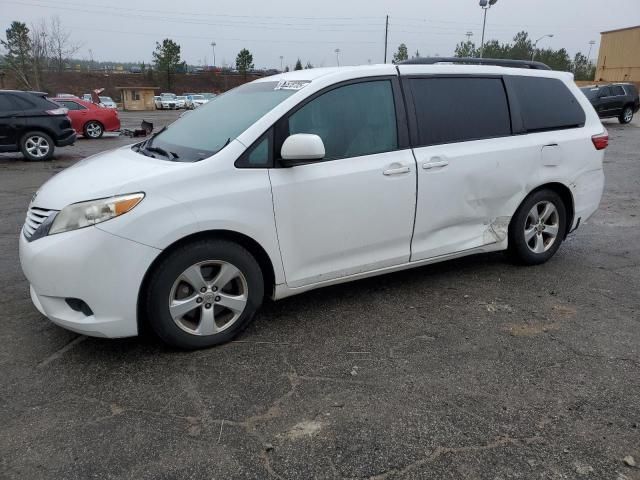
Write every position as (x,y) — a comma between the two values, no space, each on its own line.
(469,35)
(281,58)
(337,50)
(535,44)
(213,47)
(485,5)
(591,44)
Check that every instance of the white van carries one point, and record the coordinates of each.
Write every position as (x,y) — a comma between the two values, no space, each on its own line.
(307,179)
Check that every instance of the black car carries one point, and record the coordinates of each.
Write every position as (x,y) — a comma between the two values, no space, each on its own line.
(33,125)
(618,100)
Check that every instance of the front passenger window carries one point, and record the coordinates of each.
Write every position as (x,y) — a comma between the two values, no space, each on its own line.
(353,120)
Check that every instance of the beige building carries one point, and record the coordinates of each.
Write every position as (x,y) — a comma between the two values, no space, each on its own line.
(138,98)
(619,57)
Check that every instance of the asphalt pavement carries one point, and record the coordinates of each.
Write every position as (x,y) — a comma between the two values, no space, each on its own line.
(472,368)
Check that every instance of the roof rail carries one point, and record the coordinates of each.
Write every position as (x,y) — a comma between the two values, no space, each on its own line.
(501,62)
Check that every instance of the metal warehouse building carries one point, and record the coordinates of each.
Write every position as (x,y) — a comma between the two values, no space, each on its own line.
(619,57)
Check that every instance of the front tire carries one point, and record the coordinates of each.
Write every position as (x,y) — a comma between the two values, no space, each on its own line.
(37,146)
(626,116)
(204,293)
(537,228)
(93,130)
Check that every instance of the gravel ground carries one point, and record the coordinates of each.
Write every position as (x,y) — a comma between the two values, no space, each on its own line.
(472,368)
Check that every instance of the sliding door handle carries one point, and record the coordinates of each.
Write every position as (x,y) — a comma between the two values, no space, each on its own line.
(438,164)
(397,171)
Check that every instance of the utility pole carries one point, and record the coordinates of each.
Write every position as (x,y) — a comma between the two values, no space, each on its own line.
(386,38)
(337,50)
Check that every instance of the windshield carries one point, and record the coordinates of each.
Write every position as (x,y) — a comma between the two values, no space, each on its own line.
(211,127)
(168,97)
(197,97)
(590,92)
(106,99)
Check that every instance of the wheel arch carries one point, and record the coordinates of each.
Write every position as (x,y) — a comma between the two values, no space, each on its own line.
(38,128)
(259,253)
(565,194)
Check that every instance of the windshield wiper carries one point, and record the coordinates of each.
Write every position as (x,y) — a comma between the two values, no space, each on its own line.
(162,151)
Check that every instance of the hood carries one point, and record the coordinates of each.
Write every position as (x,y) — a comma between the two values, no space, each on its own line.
(103,175)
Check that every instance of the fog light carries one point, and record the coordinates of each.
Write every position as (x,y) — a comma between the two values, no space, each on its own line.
(79,306)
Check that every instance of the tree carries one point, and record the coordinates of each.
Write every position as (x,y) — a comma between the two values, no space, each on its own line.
(308,66)
(39,53)
(522,47)
(244,61)
(401,55)
(286,69)
(60,45)
(466,49)
(581,67)
(298,65)
(167,58)
(18,58)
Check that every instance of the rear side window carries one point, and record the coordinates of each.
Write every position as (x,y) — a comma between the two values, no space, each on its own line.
(22,103)
(617,90)
(546,104)
(5,104)
(460,109)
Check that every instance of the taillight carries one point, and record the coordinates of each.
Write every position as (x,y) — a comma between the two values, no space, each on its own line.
(58,111)
(601,141)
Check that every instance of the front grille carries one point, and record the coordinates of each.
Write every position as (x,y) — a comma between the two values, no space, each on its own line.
(35,217)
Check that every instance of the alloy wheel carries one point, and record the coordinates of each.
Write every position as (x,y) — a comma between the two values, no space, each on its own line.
(628,115)
(541,227)
(208,297)
(94,130)
(37,146)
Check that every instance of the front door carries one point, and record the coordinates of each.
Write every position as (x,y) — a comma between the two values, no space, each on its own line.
(353,211)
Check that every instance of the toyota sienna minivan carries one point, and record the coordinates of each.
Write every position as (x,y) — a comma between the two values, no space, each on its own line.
(307,179)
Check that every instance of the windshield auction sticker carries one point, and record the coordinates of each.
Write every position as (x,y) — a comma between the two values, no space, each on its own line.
(292,84)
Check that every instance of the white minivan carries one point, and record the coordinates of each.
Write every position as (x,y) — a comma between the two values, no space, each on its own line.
(307,179)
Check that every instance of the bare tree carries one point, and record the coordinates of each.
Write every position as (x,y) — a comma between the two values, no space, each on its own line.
(39,52)
(60,45)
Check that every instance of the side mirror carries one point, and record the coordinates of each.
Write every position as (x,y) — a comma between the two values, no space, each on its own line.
(301,148)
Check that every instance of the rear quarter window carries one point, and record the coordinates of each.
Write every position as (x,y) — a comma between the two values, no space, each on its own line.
(546,104)
(453,109)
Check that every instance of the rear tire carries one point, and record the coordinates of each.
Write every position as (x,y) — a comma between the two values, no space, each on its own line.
(204,293)
(626,116)
(37,146)
(93,129)
(537,228)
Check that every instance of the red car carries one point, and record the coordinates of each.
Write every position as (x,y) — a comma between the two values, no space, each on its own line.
(88,118)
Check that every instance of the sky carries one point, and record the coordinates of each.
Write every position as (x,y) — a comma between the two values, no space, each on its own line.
(126,30)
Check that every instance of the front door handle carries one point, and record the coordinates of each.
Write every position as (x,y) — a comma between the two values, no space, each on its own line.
(438,164)
(397,171)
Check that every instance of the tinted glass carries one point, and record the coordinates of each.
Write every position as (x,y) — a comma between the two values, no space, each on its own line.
(22,103)
(546,104)
(617,90)
(209,128)
(353,120)
(590,93)
(604,92)
(5,104)
(460,109)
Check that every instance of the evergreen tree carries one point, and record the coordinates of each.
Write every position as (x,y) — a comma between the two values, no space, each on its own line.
(18,58)
(401,55)
(167,58)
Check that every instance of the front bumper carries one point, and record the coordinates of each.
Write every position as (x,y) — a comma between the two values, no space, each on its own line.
(103,270)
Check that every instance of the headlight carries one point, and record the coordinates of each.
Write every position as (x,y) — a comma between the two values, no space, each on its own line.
(84,214)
